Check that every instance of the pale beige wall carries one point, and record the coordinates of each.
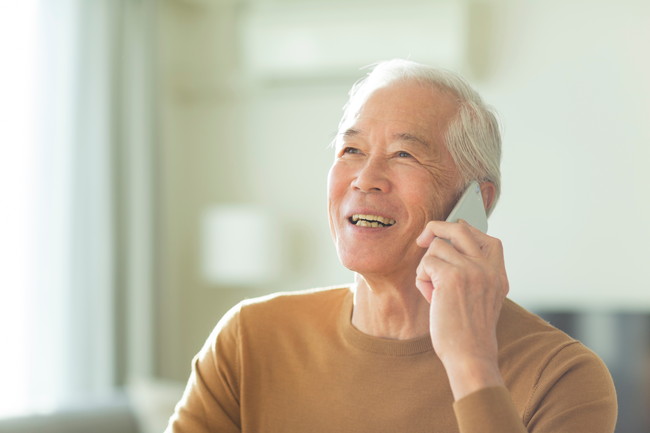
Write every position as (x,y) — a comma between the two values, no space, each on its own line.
(570,84)
(224,142)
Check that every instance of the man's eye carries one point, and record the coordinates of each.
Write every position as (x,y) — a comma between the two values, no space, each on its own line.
(404,155)
(352,150)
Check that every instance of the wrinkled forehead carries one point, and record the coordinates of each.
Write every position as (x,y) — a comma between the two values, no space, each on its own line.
(426,107)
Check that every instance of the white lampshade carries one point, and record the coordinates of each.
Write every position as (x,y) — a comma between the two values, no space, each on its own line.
(241,246)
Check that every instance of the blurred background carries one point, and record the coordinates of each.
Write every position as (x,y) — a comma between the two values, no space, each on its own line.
(163,160)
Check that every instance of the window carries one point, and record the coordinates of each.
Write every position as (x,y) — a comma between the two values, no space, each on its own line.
(65,70)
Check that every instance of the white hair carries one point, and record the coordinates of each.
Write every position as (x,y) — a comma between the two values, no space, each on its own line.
(472,137)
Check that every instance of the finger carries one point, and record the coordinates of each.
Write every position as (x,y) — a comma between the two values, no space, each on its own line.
(434,272)
(425,287)
(443,250)
(432,230)
(461,235)
(470,239)
(423,278)
(428,234)
(490,246)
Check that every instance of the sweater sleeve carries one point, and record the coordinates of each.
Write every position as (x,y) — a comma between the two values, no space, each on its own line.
(573,393)
(489,410)
(210,402)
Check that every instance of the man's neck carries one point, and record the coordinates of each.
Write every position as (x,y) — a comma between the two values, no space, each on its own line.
(389,310)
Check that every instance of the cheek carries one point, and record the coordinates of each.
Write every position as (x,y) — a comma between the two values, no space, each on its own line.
(434,201)
(336,183)
(445,185)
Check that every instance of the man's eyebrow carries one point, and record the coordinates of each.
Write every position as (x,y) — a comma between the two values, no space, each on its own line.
(405,136)
(350,132)
(400,136)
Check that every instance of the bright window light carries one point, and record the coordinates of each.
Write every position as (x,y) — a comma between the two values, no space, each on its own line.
(18,195)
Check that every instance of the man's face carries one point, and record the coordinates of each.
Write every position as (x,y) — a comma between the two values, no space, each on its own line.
(392,174)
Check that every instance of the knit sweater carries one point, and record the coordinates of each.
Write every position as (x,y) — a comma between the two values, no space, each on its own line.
(294,363)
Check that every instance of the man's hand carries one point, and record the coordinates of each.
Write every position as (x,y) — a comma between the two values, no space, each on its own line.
(462,276)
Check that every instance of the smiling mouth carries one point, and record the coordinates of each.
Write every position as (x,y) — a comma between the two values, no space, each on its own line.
(360,220)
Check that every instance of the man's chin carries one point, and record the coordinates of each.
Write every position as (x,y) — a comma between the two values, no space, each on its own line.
(381,267)
(364,268)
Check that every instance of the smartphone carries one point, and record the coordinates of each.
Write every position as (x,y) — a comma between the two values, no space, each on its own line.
(470,208)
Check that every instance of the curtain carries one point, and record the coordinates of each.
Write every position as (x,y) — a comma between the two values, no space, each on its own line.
(77,196)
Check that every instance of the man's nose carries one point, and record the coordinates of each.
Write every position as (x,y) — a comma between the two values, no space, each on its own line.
(372,176)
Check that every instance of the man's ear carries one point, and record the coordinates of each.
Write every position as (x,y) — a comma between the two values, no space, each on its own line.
(488,192)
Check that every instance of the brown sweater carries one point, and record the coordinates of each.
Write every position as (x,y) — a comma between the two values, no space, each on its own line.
(294,363)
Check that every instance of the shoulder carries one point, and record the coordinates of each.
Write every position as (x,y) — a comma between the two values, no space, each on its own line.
(528,335)
(543,365)
(279,311)
(302,302)
(307,297)
(291,309)
(517,325)
(532,347)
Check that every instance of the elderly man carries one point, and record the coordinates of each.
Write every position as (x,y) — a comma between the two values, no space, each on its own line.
(425,339)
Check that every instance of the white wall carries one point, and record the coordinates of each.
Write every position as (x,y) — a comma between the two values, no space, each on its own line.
(569,79)
(571,83)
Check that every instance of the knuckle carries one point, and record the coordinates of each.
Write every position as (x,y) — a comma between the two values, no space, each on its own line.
(496,244)
(461,230)
(505,284)
(426,267)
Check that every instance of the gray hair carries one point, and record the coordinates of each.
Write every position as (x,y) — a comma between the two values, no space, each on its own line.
(472,137)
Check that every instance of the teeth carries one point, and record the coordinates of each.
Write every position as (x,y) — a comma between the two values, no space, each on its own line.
(363,223)
(372,220)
